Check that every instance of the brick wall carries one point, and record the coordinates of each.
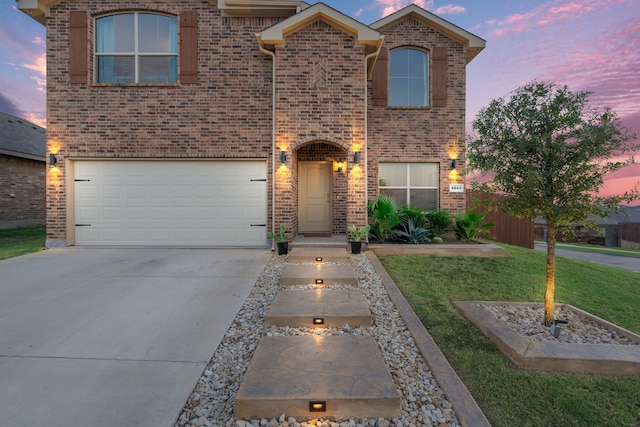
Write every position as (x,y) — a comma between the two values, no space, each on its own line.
(426,134)
(22,192)
(320,96)
(227,114)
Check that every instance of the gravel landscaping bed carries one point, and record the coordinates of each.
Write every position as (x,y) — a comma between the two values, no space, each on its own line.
(423,403)
(527,321)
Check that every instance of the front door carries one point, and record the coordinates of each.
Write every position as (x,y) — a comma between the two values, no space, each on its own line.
(314,197)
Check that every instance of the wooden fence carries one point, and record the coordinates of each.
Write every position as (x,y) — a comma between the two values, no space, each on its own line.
(629,234)
(508,229)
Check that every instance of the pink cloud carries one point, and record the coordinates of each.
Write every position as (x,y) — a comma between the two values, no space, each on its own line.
(391,6)
(450,9)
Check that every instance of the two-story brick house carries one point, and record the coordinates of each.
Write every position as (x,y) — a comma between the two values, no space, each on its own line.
(207,123)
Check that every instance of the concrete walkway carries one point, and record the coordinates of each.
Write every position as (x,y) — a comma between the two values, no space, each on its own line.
(113,337)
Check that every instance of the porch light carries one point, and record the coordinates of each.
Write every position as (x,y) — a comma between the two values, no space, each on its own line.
(283,157)
(356,157)
(453,163)
(340,166)
(318,406)
(52,160)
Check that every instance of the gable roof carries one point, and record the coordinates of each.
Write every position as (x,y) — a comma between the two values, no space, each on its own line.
(274,35)
(20,138)
(473,43)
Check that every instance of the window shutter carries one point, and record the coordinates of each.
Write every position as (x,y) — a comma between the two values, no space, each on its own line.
(78,47)
(189,47)
(380,77)
(439,89)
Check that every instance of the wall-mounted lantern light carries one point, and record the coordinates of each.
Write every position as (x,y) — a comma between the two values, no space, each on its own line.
(340,166)
(453,163)
(52,160)
(356,157)
(283,157)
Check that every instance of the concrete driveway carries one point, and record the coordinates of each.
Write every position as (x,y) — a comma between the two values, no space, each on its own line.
(114,337)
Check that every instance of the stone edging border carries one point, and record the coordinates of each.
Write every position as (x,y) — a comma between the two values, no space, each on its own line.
(466,409)
(608,359)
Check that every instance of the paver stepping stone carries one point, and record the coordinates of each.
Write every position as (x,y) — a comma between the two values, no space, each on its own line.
(339,376)
(320,273)
(310,255)
(324,308)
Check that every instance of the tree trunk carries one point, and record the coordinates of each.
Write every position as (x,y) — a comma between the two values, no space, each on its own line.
(551,270)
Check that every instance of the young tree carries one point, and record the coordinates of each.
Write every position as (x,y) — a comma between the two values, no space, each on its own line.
(548,151)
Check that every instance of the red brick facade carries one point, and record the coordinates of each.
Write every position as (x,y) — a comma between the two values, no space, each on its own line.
(323,108)
(22,197)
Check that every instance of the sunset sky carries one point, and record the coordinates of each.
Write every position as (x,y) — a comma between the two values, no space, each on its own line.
(589,45)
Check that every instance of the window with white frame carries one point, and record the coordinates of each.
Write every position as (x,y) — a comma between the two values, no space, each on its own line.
(136,48)
(409,78)
(414,184)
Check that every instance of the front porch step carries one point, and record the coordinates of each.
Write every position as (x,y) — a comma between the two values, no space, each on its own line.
(342,376)
(335,241)
(319,308)
(319,274)
(309,254)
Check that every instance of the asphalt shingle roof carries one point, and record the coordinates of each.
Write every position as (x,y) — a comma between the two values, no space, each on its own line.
(20,136)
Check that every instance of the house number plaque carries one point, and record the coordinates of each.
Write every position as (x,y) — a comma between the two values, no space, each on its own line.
(456,188)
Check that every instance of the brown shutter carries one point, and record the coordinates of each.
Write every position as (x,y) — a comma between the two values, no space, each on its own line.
(78,47)
(189,47)
(439,78)
(380,77)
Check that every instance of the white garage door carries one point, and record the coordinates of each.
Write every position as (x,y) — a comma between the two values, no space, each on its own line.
(171,203)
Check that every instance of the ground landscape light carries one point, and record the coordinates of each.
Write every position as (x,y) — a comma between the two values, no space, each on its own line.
(317,406)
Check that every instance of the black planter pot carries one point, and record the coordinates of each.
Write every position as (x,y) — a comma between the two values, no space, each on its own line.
(356,247)
(283,248)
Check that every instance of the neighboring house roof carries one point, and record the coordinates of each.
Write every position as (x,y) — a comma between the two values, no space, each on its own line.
(474,44)
(20,138)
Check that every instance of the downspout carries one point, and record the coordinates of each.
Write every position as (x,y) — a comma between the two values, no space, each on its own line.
(273,140)
(366,123)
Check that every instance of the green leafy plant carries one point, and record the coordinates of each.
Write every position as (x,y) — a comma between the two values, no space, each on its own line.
(280,236)
(358,234)
(413,213)
(413,233)
(384,215)
(471,226)
(438,221)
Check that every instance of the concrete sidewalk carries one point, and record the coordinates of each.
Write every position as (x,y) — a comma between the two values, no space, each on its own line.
(114,337)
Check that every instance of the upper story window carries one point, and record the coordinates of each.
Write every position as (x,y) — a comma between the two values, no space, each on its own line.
(409,78)
(136,48)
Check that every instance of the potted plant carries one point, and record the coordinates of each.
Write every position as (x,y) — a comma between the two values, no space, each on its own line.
(281,240)
(356,236)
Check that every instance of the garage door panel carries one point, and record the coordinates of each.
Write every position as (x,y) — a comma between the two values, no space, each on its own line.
(203,203)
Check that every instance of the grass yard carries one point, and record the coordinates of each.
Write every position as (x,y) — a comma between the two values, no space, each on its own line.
(507,395)
(20,241)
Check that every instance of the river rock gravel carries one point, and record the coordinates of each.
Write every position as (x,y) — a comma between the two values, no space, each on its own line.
(527,321)
(423,402)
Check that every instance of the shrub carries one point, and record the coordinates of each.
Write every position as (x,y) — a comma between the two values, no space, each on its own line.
(438,221)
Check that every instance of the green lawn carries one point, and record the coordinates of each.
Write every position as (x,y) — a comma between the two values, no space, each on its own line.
(507,395)
(20,241)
